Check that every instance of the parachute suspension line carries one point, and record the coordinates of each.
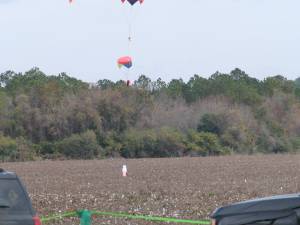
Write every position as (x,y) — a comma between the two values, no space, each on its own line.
(129,41)
(126,61)
(130,19)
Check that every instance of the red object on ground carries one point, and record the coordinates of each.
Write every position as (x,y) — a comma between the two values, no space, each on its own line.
(36,219)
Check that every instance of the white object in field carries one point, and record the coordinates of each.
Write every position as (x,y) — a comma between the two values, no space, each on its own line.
(124,171)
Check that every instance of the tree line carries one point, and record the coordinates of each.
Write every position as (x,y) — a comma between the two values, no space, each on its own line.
(51,117)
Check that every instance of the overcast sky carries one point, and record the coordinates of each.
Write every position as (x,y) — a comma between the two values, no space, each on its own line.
(171,38)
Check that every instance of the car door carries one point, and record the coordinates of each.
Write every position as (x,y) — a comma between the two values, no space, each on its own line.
(15,209)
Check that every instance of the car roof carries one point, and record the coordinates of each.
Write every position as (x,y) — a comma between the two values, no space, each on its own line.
(274,203)
(7,175)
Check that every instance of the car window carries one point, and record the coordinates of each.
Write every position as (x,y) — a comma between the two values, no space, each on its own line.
(12,197)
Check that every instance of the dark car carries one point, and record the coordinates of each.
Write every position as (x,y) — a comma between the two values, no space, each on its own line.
(276,210)
(15,204)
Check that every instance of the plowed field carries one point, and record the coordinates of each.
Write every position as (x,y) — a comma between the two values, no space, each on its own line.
(180,187)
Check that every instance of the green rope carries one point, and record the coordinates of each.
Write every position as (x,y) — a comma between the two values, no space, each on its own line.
(59,216)
(151,218)
(125,215)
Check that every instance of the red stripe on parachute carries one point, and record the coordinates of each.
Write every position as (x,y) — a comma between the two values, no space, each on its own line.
(125,61)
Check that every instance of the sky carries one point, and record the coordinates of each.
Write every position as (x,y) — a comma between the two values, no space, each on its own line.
(170,38)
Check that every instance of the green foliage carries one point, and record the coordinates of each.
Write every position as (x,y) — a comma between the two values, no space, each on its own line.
(212,123)
(60,116)
(111,144)
(25,150)
(165,142)
(80,146)
(282,146)
(48,149)
(2,99)
(232,138)
(295,142)
(269,144)
(36,82)
(105,84)
(297,82)
(239,140)
(198,87)
(176,88)
(16,149)
(236,85)
(144,83)
(8,148)
(158,85)
(277,83)
(204,144)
